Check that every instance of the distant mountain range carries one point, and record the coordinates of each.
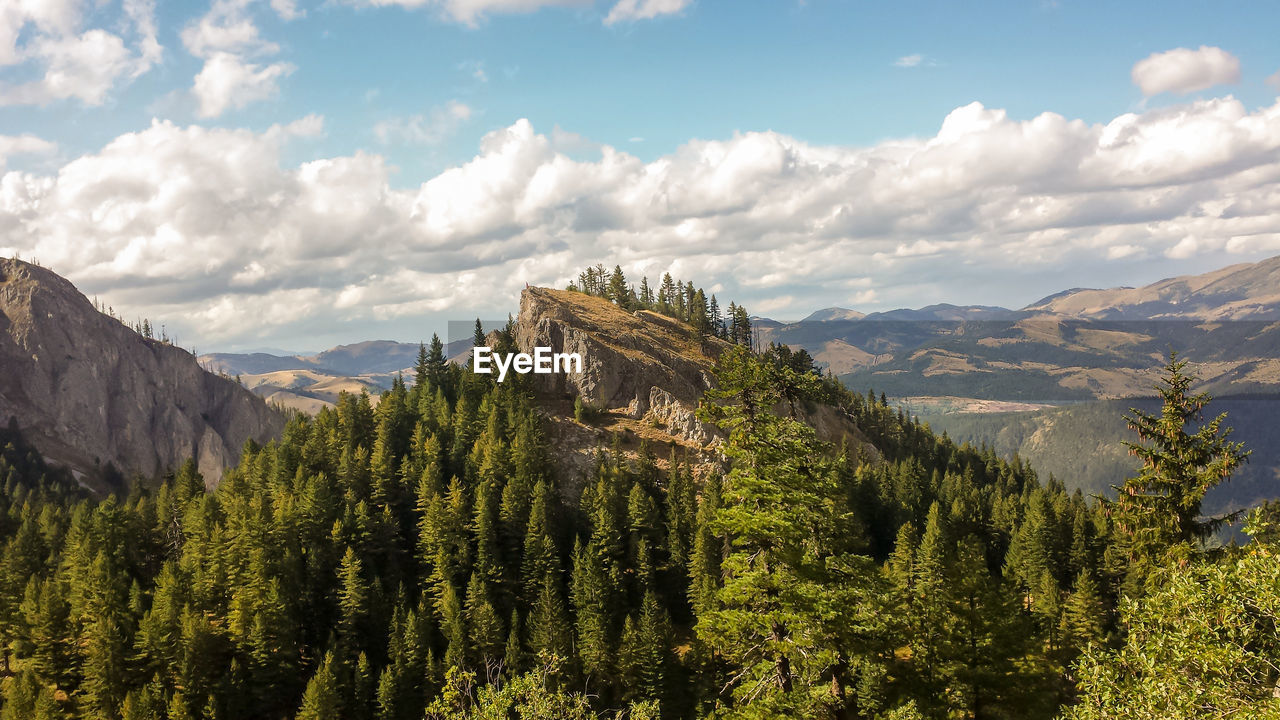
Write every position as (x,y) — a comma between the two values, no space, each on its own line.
(309,382)
(1078,344)
(1075,345)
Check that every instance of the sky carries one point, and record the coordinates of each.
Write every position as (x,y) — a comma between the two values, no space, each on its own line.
(298,174)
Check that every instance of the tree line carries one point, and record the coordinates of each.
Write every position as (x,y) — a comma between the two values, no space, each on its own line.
(675,298)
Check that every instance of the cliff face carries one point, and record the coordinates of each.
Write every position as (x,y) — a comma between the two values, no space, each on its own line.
(87,391)
(645,371)
(643,365)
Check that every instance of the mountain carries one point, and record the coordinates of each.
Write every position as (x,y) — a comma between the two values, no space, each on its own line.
(833,313)
(643,375)
(93,395)
(945,312)
(1239,292)
(369,357)
(310,382)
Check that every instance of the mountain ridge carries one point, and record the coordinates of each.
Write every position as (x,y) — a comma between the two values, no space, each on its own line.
(92,395)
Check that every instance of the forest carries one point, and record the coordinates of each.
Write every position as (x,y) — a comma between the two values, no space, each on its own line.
(422,559)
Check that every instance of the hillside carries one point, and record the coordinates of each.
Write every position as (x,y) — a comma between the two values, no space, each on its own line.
(1082,445)
(466,536)
(1248,291)
(94,396)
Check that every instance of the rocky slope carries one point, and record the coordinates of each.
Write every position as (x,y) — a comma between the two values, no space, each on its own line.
(643,365)
(90,393)
(644,372)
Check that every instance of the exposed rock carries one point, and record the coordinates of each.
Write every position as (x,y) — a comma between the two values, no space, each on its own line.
(89,392)
(642,363)
(646,373)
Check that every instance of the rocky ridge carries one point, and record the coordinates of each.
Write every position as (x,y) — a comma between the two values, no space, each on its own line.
(645,373)
(91,394)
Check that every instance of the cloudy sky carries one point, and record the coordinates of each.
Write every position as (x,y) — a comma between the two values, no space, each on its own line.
(299,173)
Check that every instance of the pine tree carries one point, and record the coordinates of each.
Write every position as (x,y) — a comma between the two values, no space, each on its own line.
(353,601)
(1158,510)
(704,562)
(1084,614)
(617,291)
(485,627)
(321,701)
(928,590)
(591,601)
(764,618)
(437,367)
(549,624)
(667,294)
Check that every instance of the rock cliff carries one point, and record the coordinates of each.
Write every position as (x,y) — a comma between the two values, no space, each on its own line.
(90,393)
(643,365)
(646,373)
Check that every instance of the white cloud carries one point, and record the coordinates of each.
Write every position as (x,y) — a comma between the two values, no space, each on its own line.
(1117,252)
(210,230)
(228,82)
(73,62)
(287,9)
(226,38)
(473,12)
(431,129)
(1274,81)
(644,9)
(909,61)
(226,28)
(1184,71)
(25,144)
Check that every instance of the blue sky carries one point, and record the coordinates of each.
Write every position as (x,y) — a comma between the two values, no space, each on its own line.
(378,167)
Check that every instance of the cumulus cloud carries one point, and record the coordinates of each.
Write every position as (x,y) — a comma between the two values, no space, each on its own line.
(228,82)
(72,61)
(909,61)
(644,9)
(226,38)
(1274,81)
(210,229)
(1184,71)
(430,129)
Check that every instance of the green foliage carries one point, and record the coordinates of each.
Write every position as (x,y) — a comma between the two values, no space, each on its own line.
(427,557)
(675,298)
(1206,645)
(585,412)
(1158,510)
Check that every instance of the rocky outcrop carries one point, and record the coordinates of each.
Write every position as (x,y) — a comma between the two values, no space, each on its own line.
(643,364)
(90,393)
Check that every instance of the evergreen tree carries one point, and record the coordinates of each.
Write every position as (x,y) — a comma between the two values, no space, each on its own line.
(764,617)
(1158,510)
(617,291)
(321,701)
